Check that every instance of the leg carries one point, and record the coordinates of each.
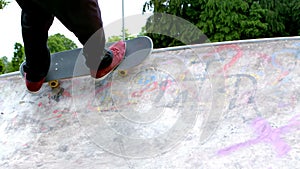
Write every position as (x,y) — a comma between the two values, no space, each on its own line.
(35,24)
(83,18)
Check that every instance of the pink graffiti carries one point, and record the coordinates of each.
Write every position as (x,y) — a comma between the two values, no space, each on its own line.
(283,75)
(40,104)
(106,86)
(58,114)
(148,88)
(235,58)
(153,86)
(66,94)
(267,134)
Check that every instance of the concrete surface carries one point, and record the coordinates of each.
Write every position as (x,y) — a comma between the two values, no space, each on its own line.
(226,105)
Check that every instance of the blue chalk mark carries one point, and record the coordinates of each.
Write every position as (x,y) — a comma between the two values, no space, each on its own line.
(298,55)
(147,80)
(260,73)
(286,79)
(274,55)
(297,44)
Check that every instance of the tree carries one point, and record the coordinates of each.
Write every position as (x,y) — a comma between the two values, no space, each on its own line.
(18,58)
(3,3)
(226,19)
(128,36)
(218,20)
(58,43)
(283,17)
(2,66)
(294,23)
(232,20)
(168,30)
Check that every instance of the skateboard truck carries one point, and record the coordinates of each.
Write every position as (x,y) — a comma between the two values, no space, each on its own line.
(122,72)
(53,84)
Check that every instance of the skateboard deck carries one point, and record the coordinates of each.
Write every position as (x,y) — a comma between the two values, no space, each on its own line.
(71,63)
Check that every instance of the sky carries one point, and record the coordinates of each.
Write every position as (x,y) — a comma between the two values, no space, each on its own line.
(111,10)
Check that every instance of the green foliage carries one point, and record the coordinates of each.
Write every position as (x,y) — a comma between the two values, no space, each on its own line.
(14,64)
(165,30)
(273,18)
(4,65)
(58,43)
(282,17)
(170,30)
(232,20)
(3,3)
(291,17)
(128,36)
(18,58)
(224,20)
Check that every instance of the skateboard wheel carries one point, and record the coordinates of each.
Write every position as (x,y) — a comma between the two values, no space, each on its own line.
(122,72)
(53,83)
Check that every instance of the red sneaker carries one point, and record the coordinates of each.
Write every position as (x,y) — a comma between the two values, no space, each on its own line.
(118,50)
(34,86)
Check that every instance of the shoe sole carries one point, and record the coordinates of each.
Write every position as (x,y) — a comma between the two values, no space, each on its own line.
(103,77)
(33,92)
(23,77)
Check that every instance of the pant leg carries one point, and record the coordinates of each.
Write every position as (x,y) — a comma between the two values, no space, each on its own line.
(83,18)
(35,24)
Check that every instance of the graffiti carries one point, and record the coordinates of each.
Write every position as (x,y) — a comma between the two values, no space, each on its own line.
(59,113)
(58,92)
(266,134)
(234,59)
(163,86)
(247,96)
(258,84)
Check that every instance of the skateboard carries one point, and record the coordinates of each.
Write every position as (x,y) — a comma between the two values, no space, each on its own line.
(71,63)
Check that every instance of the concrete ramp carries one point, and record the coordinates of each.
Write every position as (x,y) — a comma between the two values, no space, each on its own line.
(222,105)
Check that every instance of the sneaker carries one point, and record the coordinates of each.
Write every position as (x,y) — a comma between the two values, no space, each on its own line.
(34,86)
(118,50)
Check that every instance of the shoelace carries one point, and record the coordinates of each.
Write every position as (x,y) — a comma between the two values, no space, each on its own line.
(115,51)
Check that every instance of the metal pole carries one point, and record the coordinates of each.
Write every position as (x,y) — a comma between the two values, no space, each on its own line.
(123,21)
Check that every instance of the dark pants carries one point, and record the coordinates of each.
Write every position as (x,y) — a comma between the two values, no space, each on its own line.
(82,17)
